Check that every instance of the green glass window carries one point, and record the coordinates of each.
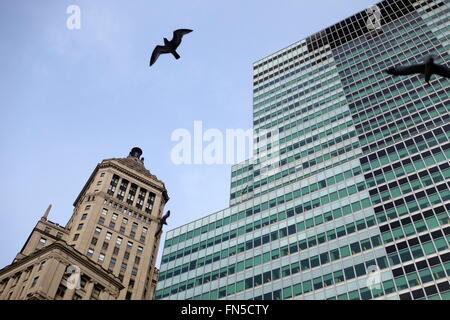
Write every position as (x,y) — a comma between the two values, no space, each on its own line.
(317,282)
(343,297)
(338,276)
(365,294)
(297,288)
(349,273)
(287,292)
(353,295)
(345,251)
(388,286)
(413,279)
(300,226)
(331,235)
(400,282)
(429,248)
(417,251)
(425,275)
(393,259)
(438,272)
(355,248)
(307,286)
(340,231)
(405,255)
(441,244)
(350,228)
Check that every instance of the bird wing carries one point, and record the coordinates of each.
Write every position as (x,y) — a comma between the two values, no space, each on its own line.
(441,70)
(178,35)
(406,70)
(156,52)
(166,215)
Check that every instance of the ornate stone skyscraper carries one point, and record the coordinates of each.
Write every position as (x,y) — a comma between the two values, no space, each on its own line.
(110,240)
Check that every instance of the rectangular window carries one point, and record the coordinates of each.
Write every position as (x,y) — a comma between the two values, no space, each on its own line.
(150,201)
(113,185)
(42,242)
(122,189)
(35,280)
(112,262)
(96,292)
(61,291)
(131,194)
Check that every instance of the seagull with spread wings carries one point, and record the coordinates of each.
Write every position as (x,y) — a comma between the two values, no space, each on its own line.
(169,46)
(428,68)
(162,221)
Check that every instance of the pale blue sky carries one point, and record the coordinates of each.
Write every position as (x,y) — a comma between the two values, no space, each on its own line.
(71,98)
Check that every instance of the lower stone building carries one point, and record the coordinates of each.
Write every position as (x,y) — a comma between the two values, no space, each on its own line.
(45,275)
(108,248)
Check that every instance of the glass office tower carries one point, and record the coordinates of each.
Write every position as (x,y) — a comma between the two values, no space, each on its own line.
(348,194)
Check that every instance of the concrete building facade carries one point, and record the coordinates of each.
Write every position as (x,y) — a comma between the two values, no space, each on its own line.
(348,193)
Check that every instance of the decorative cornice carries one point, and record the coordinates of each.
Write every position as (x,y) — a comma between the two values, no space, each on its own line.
(115,164)
(109,163)
(44,233)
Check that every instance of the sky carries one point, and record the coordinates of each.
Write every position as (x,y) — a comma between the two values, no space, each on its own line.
(70,98)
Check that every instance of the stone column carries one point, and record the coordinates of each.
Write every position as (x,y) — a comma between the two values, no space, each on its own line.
(104,295)
(68,295)
(47,275)
(53,275)
(4,296)
(88,289)
(33,273)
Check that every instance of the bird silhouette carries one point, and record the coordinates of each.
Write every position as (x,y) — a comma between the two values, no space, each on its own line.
(163,221)
(169,46)
(164,218)
(428,68)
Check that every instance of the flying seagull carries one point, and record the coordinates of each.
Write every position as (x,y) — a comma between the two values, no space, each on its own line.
(428,68)
(162,222)
(169,46)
